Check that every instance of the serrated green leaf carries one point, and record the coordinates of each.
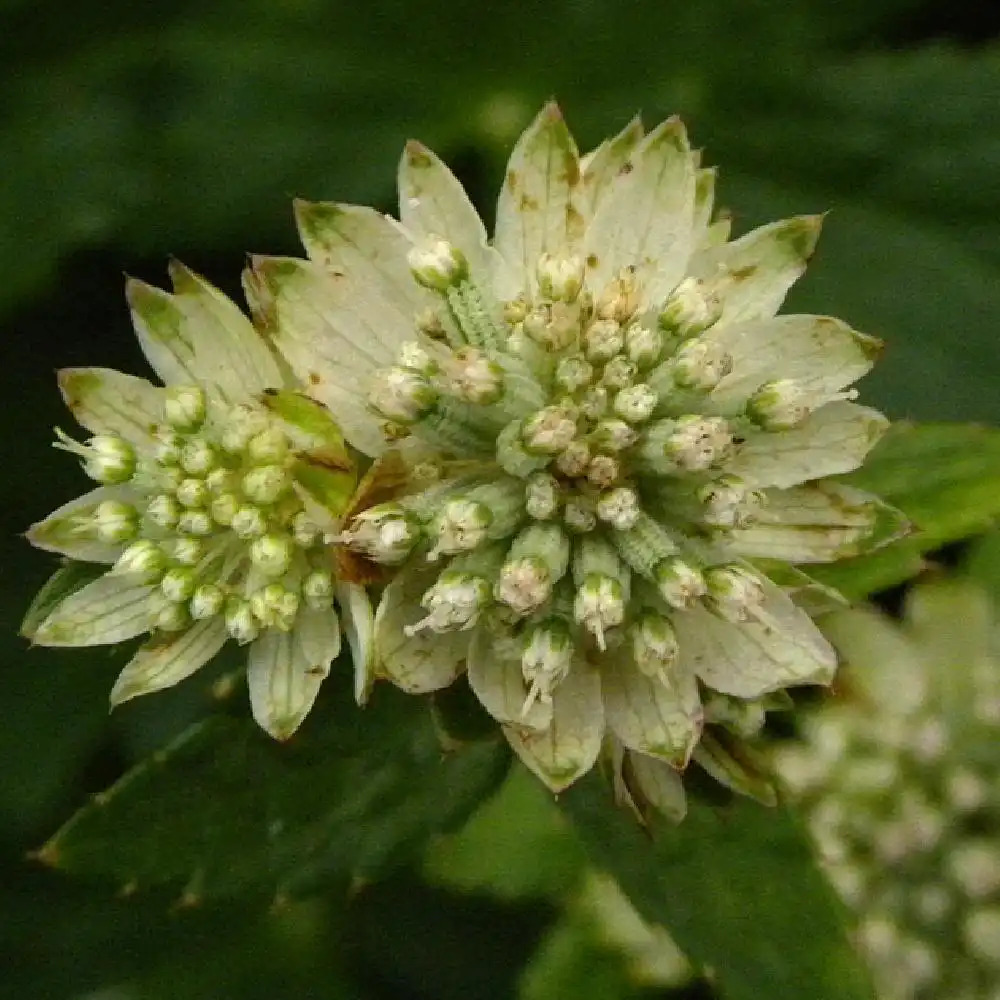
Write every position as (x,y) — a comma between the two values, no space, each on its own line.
(738,889)
(225,811)
(944,477)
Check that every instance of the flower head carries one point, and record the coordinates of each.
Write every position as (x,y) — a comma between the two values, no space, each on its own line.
(217,495)
(624,437)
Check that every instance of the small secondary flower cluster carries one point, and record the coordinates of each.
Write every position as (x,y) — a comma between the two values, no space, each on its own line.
(614,447)
(899,783)
(203,510)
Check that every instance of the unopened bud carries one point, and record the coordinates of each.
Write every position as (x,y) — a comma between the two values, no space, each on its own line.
(317,589)
(618,372)
(115,522)
(574,460)
(224,507)
(437,264)
(240,621)
(163,511)
(461,526)
(729,502)
(690,309)
(619,507)
(643,346)
(525,584)
(305,531)
(184,407)
(613,435)
(248,522)
(192,492)
(454,602)
(241,424)
(573,373)
(696,443)
(602,340)
(187,550)
(541,496)
(636,403)
(167,449)
(604,471)
(144,560)
(207,601)
(546,660)
(734,593)
(579,515)
(780,405)
(559,278)
(549,431)
(620,299)
(599,605)
(221,480)
(552,326)
(173,618)
(271,554)
(679,583)
(655,645)
(269,447)
(106,458)
(178,584)
(195,522)
(474,378)
(401,395)
(700,365)
(386,534)
(415,359)
(594,402)
(265,483)
(197,456)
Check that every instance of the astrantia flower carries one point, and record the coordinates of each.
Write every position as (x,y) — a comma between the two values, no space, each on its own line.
(217,496)
(899,779)
(607,426)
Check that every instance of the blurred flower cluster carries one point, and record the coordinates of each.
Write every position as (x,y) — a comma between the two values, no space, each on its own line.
(900,781)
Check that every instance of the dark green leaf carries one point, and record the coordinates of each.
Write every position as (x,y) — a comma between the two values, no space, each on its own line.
(225,810)
(738,889)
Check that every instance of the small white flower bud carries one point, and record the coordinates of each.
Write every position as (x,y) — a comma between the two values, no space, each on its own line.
(453,603)
(579,515)
(168,478)
(461,526)
(163,511)
(604,471)
(240,621)
(696,443)
(574,459)
(173,618)
(192,492)
(184,407)
(554,326)
(549,431)
(729,502)
(414,358)
(248,522)
(428,322)
(619,507)
(385,534)
(514,311)
(620,299)
(285,609)
(401,395)
(679,583)
(545,661)
(221,480)
(272,554)
(188,551)
(643,345)
(437,264)
(594,402)
(781,405)
(207,601)
(613,435)
(265,483)
(143,559)
(525,584)
(224,507)
(636,403)
(602,340)
(317,589)
(195,522)
(115,521)
(573,373)
(700,365)
(167,450)
(559,278)
(981,931)
(106,458)
(305,531)
(269,447)
(599,605)
(242,423)
(655,645)
(197,456)
(733,593)
(474,378)
(541,496)
(690,309)
(178,584)
(618,373)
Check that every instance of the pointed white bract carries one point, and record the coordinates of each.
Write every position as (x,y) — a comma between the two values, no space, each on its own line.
(218,492)
(611,423)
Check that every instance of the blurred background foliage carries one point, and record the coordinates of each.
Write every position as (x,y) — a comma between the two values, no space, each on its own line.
(134,132)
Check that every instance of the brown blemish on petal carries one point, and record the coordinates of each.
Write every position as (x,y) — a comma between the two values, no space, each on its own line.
(592,260)
(417,154)
(513,181)
(742,273)
(626,168)
(528,204)
(314,378)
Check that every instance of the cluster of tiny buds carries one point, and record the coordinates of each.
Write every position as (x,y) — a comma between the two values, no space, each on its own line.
(213,523)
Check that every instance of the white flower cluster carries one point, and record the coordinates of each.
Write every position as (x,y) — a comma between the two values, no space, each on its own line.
(216,499)
(611,439)
(900,781)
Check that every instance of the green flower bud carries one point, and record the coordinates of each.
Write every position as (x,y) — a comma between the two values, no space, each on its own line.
(643,345)
(195,522)
(636,403)
(680,584)
(192,492)
(613,436)
(573,373)
(207,601)
(106,458)
(143,559)
(549,430)
(178,584)
(197,456)
(618,373)
(604,471)
(602,340)
(454,602)
(654,645)
(272,554)
(541,496)
(221,480)
(269,447)
(115,521)
(690,309)
(248,522)
(619,507)
(173,618)
(305,532)
(700,365)
(317,589)
(474,378)
(733,593)
(167,450)
(401,395)
(599,605)
(780,405)
(437,264)
(184,407)
(620,299)
(242,423)
(240,621)
(265,483)
(188,550)
(559,278)
(163,511)
(546,660)
(224,508)
(386,534)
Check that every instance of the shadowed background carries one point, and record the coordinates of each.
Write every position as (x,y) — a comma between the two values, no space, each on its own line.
(131,133)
